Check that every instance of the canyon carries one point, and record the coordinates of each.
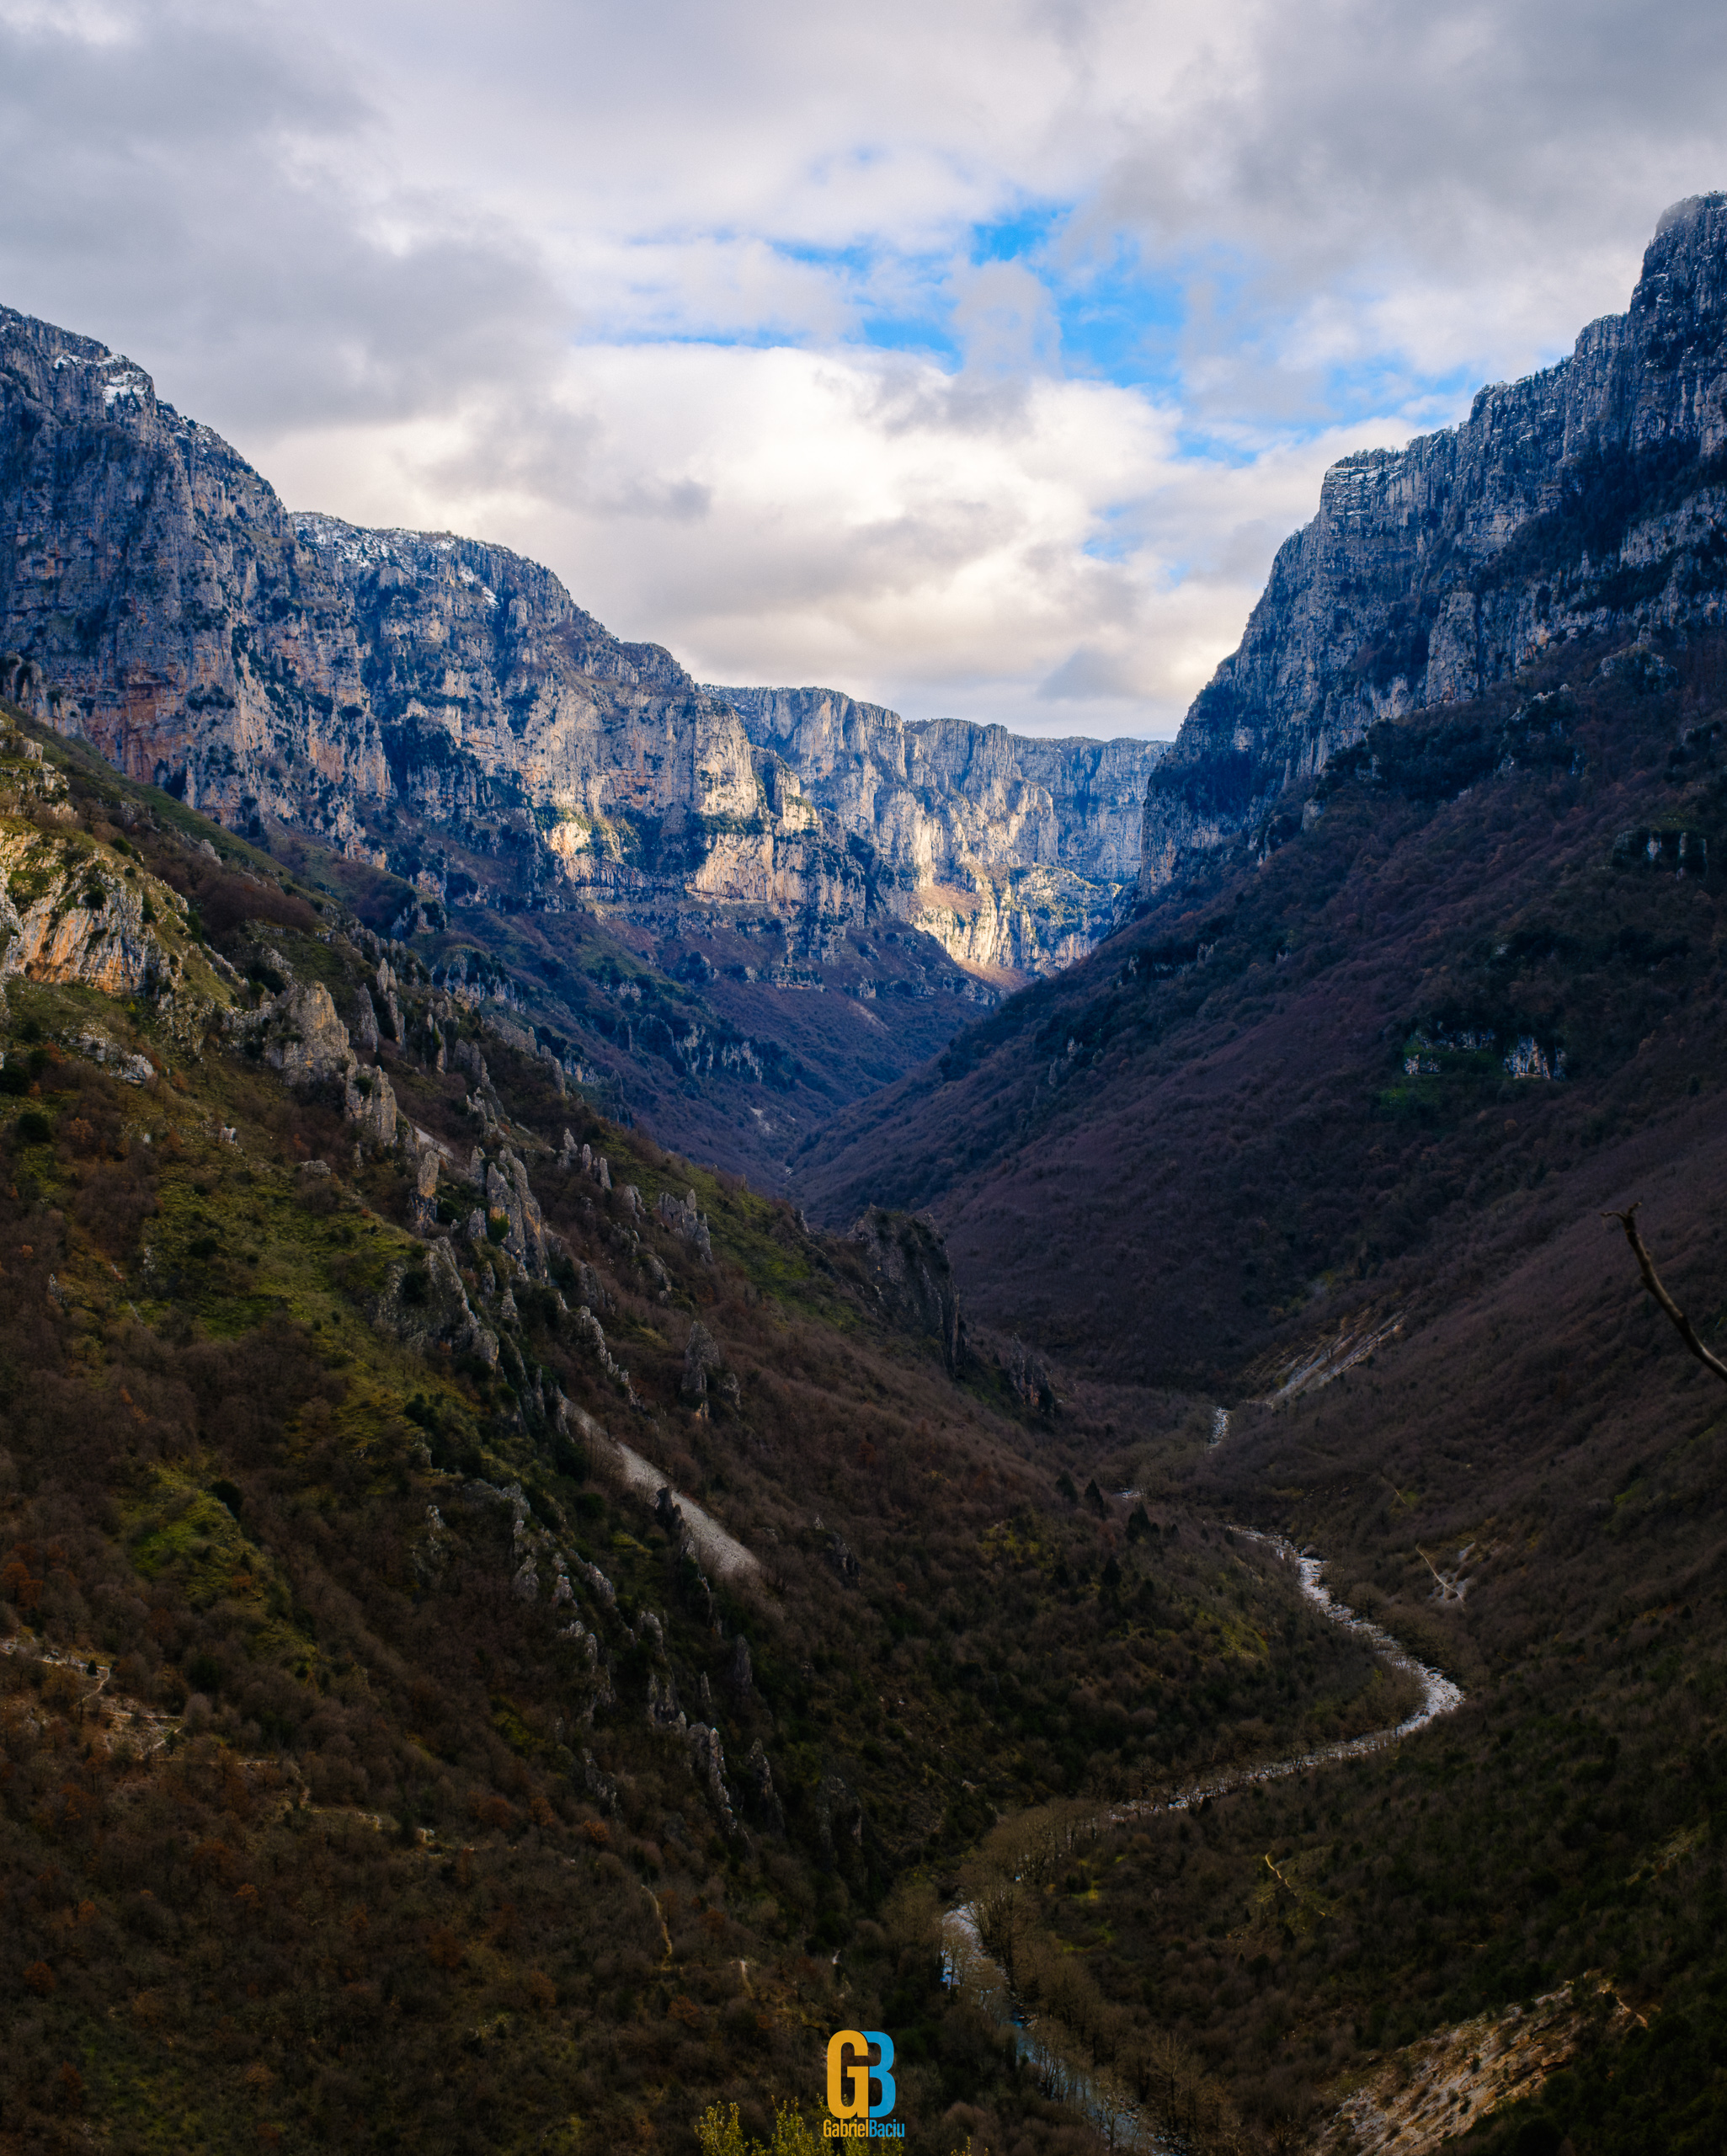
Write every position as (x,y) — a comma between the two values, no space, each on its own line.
(522,1569)
(810,893)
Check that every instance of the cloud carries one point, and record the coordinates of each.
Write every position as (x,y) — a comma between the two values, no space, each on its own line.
(869,521)
(1459,185)
(1004,318)
(1089,675)
(969,357)
(211,193)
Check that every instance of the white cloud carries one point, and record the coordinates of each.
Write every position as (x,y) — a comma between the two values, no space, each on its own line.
(1039,550)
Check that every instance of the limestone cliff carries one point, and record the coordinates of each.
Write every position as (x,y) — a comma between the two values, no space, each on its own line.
(443,708)
(1011,851)
(1592,496)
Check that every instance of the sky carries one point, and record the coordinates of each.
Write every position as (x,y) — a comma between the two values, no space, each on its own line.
(971,358)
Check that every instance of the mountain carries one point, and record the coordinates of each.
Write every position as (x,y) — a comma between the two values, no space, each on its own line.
(1359,905)
(1587,500)
(1013,852)
(442,711)
(500,1626)
(509,1638)
(1428,976)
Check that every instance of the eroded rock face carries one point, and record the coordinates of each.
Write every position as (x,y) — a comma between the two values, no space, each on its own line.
(163,602)
(140,559)
(1012,852)
(1592,496)
(707,1762)
(305,1039)
(370,1106)
(705,1369)
(427,1306)
(67,916)
(509,1197)
(386,688)
(681,1216)
(758,1780)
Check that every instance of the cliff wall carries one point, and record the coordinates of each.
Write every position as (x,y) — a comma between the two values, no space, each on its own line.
(1012,851)
(443,708)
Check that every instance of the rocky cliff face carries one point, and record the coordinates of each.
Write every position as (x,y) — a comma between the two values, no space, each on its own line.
(151,578)
(445,708)
(1012,852)
(595,772)
(1590,498)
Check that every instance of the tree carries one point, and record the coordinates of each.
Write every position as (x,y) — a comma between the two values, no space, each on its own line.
(1652,1281)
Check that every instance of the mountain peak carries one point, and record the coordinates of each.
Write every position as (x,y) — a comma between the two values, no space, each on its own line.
(1693,210)
(1582,500)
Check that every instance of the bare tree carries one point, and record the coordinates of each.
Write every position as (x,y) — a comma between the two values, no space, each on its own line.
(1652,1281)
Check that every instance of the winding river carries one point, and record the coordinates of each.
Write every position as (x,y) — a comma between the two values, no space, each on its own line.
(1121,2123)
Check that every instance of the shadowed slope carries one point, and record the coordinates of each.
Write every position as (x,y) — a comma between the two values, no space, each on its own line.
(1283,1094)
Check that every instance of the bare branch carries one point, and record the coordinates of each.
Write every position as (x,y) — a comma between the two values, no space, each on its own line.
(1651,1280)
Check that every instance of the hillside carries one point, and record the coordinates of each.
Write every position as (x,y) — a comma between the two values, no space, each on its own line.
(1301,1086)
(503,1634)
(1327,1135)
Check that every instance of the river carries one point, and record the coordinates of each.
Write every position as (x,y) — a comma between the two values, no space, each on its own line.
(1120,2122)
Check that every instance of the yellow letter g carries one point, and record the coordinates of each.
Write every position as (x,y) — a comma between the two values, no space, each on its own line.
(848,2075)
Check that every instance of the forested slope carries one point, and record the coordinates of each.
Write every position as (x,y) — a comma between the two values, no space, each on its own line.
(1330,1136)
(503,1634)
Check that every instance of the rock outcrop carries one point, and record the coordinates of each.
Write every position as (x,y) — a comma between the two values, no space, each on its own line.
(510,1201)
(427,1306)
(73,910)
(912,1280)
(303,1038)
(680,1215)
(1591,497)
(705,1371)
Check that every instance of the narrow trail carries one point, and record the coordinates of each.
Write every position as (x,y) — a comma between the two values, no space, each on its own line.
(1123,2122)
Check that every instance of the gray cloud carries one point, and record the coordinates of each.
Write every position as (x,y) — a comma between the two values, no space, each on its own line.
(195,190)
(1089,676)
(1458,183)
